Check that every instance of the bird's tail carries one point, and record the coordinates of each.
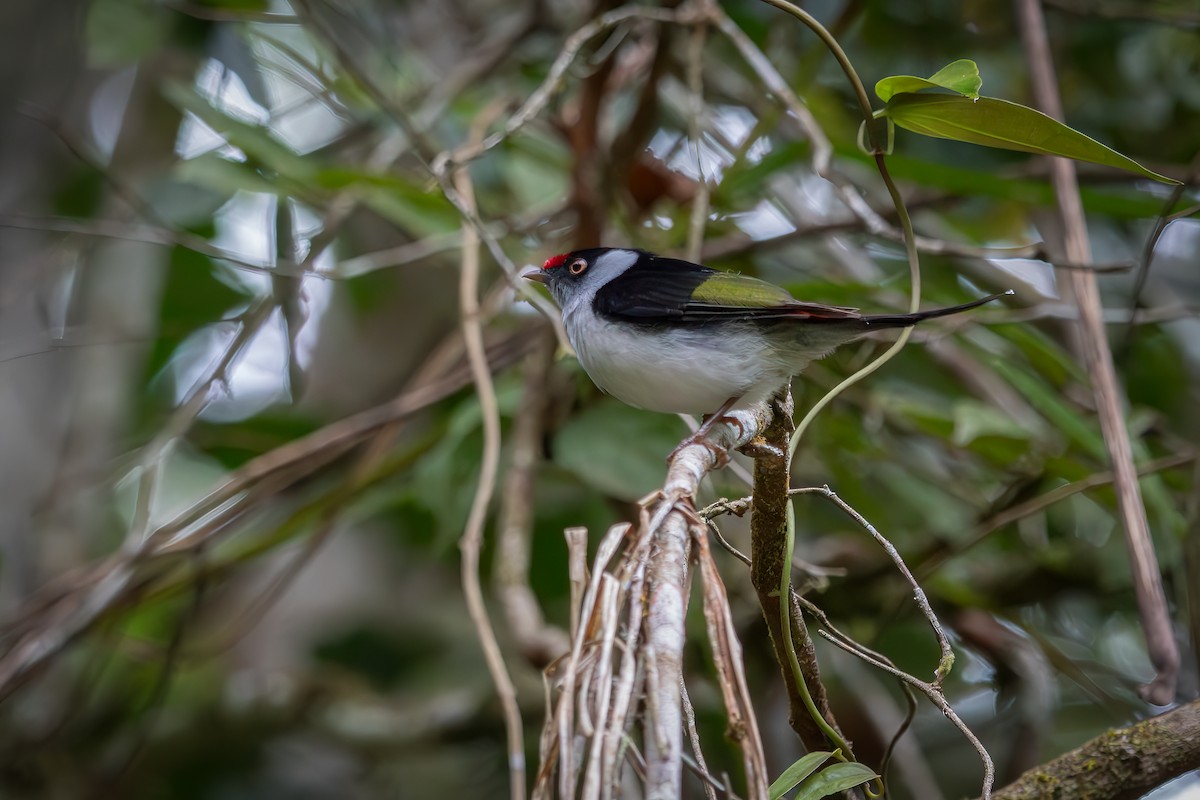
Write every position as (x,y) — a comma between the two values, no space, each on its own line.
(906,320)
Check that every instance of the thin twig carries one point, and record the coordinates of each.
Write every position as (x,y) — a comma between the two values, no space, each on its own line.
(742,726)
(695,79)
(935,695)
(1040,503)
(541,643)
(536,102)
(1143,270)
(471,542)
(184,416)
(689,718)
(946,661)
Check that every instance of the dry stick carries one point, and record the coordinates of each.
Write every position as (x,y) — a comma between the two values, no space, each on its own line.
(541,643)
(695,79)
(131,232)
(689,717)
(742,725)
(558,739)
(935,695)
(947,653)
(360,477)
(307,454)
(667,581)
(630,673)
(1152,603)
(602,682)
(471,542)
(1143,270)
(649,581)
(577,571)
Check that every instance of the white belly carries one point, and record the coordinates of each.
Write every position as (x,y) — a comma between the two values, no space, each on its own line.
(683,371)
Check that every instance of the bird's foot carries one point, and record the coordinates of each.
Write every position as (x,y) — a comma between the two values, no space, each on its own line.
(720,454)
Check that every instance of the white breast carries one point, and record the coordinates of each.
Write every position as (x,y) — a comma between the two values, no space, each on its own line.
(684,371)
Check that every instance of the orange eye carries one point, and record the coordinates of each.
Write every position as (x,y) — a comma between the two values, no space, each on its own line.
(578,266)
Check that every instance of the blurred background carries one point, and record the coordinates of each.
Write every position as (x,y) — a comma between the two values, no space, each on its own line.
(238,441)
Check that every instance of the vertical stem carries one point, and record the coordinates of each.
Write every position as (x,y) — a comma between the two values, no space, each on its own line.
(471,542)
(1147,582)
(769,559)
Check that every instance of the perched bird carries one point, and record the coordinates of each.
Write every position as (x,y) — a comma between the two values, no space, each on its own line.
(672,336)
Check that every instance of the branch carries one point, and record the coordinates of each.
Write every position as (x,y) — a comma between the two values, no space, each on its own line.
(61,612)
(539,641)
(1122,764)
(768,560)
(471,542)
(1147,582)
(628,640)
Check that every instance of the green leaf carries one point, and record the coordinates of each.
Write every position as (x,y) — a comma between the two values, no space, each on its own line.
(294,173)
(991,122)
(835,778)
(960,76)
(973,420)
(617,449)
(1048,402)
(799,770)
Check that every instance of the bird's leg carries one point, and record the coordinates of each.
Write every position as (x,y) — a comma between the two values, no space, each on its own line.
(701,434)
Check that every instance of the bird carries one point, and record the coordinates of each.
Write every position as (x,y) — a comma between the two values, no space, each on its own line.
(668,335)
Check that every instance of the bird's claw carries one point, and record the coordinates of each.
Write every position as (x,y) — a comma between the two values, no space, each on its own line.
(720,454)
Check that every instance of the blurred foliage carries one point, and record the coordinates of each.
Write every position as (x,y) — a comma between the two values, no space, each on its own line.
(256,151)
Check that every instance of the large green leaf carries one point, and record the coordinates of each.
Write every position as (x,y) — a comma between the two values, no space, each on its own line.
(799,770)
(835,778)
(992,122)
(960,76)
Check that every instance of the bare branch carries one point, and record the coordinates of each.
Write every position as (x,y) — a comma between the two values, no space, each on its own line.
(1122,764)
(1152,602)
(471,542)
(640,576)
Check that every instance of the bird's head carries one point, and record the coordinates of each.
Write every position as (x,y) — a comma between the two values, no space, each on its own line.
(578,274)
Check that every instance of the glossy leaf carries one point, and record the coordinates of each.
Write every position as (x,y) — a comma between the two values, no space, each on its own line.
(799,770)
(991,122)
(835,778)
(961,77)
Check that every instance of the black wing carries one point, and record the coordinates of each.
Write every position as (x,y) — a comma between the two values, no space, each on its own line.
(671,290)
